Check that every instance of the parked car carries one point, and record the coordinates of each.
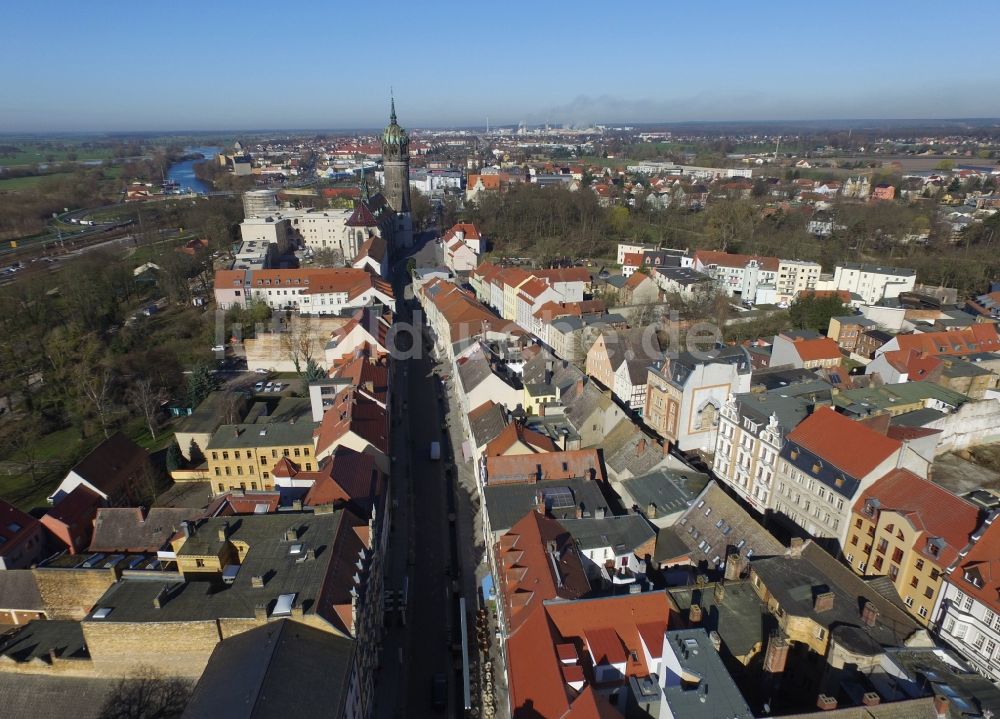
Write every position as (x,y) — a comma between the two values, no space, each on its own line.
(258,387)
(269,387)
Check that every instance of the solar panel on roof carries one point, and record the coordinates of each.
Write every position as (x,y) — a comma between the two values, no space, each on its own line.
(559,498)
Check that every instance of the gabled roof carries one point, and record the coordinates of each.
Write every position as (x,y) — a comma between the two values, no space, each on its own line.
(347,476)
(821,348)
(280,669)
(373,247)
(352,411)
(977,338)
(931,509)
(81,502)
(841,442)
(978,573)
(132,529)
(514,434)
(470,230)
(530,468)
(487,421)
(109,464)
(538,561)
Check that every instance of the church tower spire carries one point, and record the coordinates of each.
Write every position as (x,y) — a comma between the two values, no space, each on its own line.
(396,167)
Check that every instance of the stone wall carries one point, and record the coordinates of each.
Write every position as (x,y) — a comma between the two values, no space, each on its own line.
(175,648)
(71,593)
(973,424)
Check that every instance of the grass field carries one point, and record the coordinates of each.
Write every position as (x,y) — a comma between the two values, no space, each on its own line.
(28,183)
(34,153)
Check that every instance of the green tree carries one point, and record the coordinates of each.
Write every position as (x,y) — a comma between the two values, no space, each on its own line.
(811,312)
(175,460)
(314,371)
(201,381)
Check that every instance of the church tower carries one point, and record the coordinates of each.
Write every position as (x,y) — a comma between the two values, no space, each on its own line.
(396,163)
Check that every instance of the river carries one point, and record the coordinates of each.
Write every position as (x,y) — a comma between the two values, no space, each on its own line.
(183,172)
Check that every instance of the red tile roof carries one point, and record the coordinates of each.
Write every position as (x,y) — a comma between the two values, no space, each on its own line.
(347,476)
(538,561)
(930,508)
(607,628)
(353,412)
(983,564)
(471,233)
(632,259)
(848,445)
(917,365)
(819,348)
(523,468)
(977,338)
(516,433)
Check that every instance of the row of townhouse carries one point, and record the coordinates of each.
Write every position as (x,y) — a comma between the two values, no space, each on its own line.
(859,487)
(314,291)
(763,280)
(517,294)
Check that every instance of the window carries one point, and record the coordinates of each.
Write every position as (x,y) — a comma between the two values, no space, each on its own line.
(922,612)
(854,540)
(218,471)
(253,485)
(236,454)
(305,451)
(991,647)
(883,545)
(968,604)
(225,455)
(897,555)
(949,626)
(908,601)
(199,562)
(929,592)
(878,564)
(960,631)
(222,487)
(862,566)
(893,572)
(215,455)
(978,641)
(850,558)
(920,564)
(297,451)
(263,459)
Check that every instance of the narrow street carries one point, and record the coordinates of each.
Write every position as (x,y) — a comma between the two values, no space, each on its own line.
(430,555)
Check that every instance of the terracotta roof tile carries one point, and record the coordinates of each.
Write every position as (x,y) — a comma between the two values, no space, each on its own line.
(851,447)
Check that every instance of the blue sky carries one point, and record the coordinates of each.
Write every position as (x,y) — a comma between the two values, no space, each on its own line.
(113,65)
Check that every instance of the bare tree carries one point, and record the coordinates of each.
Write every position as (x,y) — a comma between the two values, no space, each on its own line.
(147,694)
(297,342)
(95,388)
(146,399)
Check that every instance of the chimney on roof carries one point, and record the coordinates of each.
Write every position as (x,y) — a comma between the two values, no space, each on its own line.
(694,614)
(734,566)
(224,532)
(941,703)
(161,597)
(187,526)
(871,699)
(651,510)
(257,581)
(237,431)
(826,703)
(869,614)
(579,511)
(260,611)
(665,448)
(823,602)
(540,502)
(720,592)
(795,547)
(776,655)
(370,387)
(291,534)
(641,446)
